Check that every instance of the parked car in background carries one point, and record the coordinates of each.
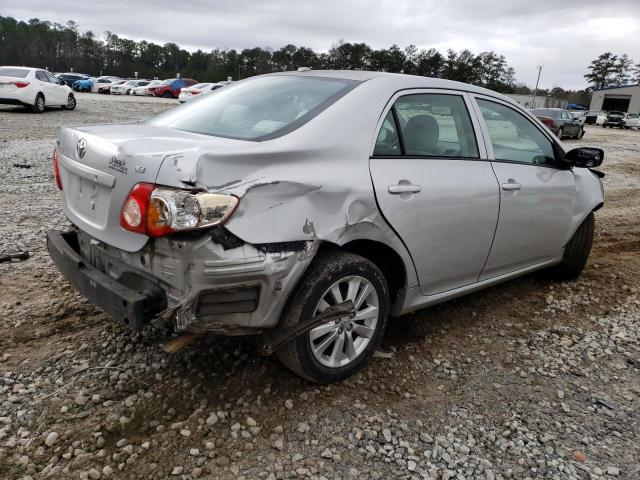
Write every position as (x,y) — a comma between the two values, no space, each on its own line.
(101,82)
(560,122)
(632,120)
(106,87)
(595,117)
(71,78)
(34,88)
(227,215)
(125,88)
(170,88)
(580,115)
(144,90)
(614,119)
(197,90)
(84,85)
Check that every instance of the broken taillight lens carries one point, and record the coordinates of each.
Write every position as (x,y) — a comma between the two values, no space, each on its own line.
(159,211)
(56,169)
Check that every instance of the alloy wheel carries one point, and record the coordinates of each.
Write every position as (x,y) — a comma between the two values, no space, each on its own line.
(339,343)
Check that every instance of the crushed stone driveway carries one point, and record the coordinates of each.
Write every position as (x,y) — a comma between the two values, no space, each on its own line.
(531,379)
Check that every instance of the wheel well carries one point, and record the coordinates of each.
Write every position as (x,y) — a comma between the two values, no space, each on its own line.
(384,257)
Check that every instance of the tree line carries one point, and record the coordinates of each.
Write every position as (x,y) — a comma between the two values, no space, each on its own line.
(609,70)
(62,48)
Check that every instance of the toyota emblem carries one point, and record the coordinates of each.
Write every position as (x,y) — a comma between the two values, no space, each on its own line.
(81,147)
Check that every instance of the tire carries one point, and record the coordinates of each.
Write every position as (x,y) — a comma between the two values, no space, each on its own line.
(580,133)
(71,103)
(560,132)
(128,92)
(576,252)
(39,105)
(167,95)
(331,364)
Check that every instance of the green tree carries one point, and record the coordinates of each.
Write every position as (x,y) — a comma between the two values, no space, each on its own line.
(602,71)
(623,71)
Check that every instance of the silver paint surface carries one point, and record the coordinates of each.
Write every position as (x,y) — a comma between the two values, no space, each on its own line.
(318,184)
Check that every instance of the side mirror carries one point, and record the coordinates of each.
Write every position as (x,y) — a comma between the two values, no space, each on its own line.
(586,157)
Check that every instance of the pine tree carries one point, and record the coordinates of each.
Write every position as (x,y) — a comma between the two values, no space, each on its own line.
(623,72)
(602,70)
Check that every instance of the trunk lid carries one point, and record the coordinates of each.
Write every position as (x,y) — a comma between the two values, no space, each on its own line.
(99,165)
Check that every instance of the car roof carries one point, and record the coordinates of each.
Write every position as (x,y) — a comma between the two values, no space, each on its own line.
(399,81)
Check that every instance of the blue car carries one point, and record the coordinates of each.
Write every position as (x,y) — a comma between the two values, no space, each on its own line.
(85,85)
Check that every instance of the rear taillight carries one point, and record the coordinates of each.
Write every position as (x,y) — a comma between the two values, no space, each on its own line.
(56,169)
(134,211)
(547,121)
(21,84)
(159,211)
(195,91)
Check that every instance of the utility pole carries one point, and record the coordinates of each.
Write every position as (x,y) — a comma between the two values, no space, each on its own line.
(535,90)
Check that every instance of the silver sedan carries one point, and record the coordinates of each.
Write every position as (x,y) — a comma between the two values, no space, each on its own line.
(308,208)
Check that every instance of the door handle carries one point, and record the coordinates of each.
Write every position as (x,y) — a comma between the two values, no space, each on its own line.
(511,185)
(404,188)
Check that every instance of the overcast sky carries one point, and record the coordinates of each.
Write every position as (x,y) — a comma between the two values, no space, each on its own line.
(562,35)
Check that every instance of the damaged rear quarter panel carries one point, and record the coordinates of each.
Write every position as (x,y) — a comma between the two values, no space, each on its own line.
(311,184)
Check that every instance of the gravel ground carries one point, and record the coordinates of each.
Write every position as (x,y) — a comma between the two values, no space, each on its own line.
(531,379)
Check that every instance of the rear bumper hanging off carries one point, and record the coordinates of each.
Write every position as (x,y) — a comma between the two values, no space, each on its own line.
(132,307)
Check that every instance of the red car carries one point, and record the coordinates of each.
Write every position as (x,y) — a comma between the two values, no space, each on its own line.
(170,88)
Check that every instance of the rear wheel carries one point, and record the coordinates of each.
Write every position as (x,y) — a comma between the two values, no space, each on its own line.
(576,253)
(167,95)
(336,350)
(39,104)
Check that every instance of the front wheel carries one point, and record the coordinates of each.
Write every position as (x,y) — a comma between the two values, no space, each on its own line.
(560,132)
(71,103)
(338,349)
(580,133)
(576,252)
(167,95)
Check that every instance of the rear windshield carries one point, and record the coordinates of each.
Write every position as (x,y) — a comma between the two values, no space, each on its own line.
(13,72)
(545,112)
(201,85)
(258,109)
(169,81)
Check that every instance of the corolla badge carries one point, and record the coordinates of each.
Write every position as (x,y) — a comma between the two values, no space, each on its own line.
(81,148)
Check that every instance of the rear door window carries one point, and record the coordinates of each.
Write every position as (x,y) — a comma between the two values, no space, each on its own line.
(435,125)
(388,141)
(514,137)
(40,75)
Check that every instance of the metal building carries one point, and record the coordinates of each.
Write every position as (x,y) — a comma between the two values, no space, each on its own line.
(625,98)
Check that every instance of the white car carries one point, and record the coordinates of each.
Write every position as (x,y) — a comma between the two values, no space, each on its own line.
(126,87)
(144,89)
(102,82)
(632,120)
(34,88)
(595,117)
(197,90)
